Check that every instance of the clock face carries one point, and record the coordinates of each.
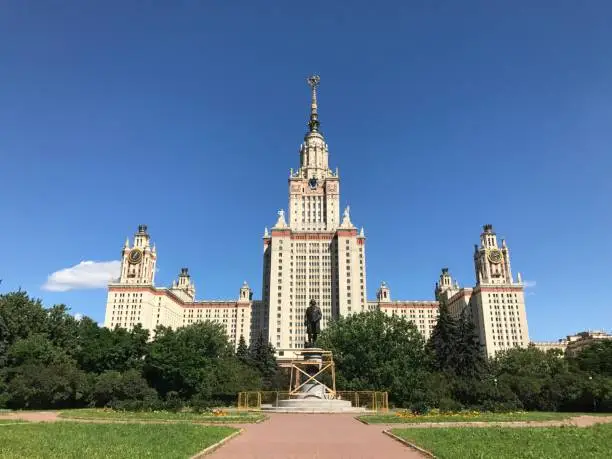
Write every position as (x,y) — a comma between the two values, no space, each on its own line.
(135,256)
(495,256)
(312,183)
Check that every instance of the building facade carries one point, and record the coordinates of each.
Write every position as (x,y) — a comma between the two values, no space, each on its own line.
(573,344)
(424,313)
(316,252)
(545,346)
(496,304)
(134,298)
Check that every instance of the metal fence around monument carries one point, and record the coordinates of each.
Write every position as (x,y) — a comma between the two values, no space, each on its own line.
(370,400)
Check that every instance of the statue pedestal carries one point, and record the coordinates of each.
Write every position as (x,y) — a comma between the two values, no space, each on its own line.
(315,405)
(314,355)
(312,386)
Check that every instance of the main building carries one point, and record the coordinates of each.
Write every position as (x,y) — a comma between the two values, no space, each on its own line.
(316,252)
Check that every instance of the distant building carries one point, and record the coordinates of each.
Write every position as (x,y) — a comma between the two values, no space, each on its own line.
(545,346)
(576,343)
(316,252)
(573,344)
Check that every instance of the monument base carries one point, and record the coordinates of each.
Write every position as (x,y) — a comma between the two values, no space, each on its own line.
(308,391)
(313,405)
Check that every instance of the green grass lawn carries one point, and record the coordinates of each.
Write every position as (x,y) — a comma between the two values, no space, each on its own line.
(96,413)
(78,440)
(393,418)
(513,443)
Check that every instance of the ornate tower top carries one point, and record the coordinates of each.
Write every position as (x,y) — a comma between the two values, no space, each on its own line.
(184,288)
(313,82)
(383,295)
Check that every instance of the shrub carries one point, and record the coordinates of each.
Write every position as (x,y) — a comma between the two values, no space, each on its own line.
(419,407)
(53,386)
(504,406)
(448,405)
(200,403)
(111,388)
(173,402)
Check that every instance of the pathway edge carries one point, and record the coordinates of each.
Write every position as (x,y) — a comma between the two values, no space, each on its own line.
(409,444)
(217,445)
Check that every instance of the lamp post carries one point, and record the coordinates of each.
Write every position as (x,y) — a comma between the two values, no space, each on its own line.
(496,391)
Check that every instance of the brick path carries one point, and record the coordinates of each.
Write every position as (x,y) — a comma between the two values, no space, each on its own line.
(320,436)
(313,436)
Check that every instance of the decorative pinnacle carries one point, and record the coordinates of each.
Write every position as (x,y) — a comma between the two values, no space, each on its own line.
(313,82)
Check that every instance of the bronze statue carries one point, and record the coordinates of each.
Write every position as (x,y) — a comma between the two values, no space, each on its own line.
(312,322)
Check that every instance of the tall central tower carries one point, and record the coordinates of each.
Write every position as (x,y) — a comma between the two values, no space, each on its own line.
(313,252)
(314,190)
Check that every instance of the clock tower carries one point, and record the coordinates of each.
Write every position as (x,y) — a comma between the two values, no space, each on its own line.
(492,263)
(138,261)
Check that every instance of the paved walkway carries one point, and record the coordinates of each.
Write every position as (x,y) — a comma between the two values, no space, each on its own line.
(313,436)
(32,416)
(319,436)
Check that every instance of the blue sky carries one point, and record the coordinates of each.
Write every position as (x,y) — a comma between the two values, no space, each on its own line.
(187,116)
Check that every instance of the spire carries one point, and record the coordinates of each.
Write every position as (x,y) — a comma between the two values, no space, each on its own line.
(313,124)
(127,243)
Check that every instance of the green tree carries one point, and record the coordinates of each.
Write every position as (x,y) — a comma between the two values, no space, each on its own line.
(185,360)
(36,386)
(443,342)
(62,328)
(373,351)
(262,357)
(22,316)
(595,359)
(233,376)
(36,349)
(4,343)
(99,349)
(242,352)
(469,360)
(112,386)
(529,373)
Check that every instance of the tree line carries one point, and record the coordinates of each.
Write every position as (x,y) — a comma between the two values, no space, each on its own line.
(450,371)
(49,359)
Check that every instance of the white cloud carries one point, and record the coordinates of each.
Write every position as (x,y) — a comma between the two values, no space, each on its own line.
(78,317)
(85,275)
(529,284)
